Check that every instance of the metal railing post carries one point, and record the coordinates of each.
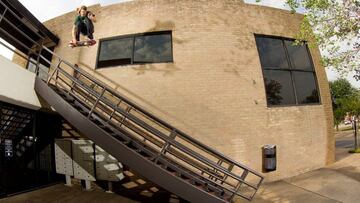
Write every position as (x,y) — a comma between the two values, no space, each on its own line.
(113,112)
(38,58)
(96,102)
(128,109)
(55,70)
(172,136)
(355,134)
(3,14)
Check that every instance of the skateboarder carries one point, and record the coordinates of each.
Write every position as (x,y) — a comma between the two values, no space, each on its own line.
(83,24)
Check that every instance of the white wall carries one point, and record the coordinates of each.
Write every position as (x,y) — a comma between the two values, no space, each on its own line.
(17,85)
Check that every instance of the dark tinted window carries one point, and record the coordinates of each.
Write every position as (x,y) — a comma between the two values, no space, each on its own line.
(278,87)
(153,48)
(141,48)
(272,53)
(116,52)
(114,49)
(299,56)
(306,89)
(289,75)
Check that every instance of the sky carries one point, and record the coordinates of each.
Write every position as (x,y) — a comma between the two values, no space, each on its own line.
(45,10)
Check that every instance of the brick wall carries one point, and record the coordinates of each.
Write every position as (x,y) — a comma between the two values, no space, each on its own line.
(214,89)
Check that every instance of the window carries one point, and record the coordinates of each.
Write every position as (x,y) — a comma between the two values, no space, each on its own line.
(153,47)
(288,71)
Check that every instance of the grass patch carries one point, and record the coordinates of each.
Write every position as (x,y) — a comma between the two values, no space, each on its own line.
(355,150)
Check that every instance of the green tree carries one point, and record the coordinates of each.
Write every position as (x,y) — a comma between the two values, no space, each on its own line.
(344,97)
(342,88)
(352,105)
(334,26)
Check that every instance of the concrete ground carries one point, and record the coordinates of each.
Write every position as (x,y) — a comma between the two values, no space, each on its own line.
(339,182)
(63,194)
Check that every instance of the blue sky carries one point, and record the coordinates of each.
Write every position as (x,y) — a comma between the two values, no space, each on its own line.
(45,10)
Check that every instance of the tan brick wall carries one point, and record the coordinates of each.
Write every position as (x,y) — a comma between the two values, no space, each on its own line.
(214,89)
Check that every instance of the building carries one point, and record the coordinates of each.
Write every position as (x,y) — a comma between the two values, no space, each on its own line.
(224,72)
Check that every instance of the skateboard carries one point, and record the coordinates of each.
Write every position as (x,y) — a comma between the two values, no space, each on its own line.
(82,43)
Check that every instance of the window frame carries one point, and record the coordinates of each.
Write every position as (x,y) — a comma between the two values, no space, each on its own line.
(291,70)
(133,36)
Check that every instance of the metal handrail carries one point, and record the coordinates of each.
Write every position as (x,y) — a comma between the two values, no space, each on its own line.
(169,140)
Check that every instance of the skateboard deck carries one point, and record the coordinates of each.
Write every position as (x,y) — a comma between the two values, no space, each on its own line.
(82,43)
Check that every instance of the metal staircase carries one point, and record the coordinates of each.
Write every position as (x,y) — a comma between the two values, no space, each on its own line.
(146,144)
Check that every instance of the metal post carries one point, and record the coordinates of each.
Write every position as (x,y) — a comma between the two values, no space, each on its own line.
(167,144)
(355,134)
(56,70)
(113,112)
(128,109)
(96,102)
(2,16)
(38,58)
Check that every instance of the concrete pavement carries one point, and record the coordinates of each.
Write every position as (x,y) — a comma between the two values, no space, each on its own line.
(339,182)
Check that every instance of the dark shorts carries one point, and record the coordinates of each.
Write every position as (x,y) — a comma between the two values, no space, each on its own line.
(86,29)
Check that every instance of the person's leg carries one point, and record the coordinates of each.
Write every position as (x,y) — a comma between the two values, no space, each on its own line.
(84,29)
(90,36)
(78,30)
(90,29)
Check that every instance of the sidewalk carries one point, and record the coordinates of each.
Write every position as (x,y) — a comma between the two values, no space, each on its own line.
(339,182)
